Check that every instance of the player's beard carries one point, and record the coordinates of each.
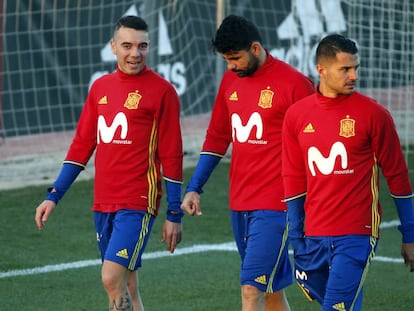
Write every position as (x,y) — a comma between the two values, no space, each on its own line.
(252,66)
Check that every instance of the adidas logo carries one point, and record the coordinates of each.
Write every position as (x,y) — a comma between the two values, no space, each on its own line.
(103,100)
(261,279)
(339,306)
(233,96)
(307,22)
(123,253)
(309,128)
(313,18)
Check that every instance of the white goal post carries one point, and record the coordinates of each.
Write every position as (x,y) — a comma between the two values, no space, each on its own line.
(51,51)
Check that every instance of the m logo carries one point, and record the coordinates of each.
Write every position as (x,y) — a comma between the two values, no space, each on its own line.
(106,133)
(301,275)
(240,132)
(326,165)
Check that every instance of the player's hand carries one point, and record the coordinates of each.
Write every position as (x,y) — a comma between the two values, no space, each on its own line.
(407,251)
(191,204)
(43,212)
(171,234)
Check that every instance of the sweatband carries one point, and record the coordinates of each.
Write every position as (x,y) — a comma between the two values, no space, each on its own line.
(406,214)
(202,172)
(174,212)
(66,177)
(296,217)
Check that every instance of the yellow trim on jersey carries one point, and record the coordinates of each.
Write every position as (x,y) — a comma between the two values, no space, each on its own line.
(173,180)
(74,163)
(402,196)
(212,153)
(143,233)
(295,197)
(152,171)
(376,217)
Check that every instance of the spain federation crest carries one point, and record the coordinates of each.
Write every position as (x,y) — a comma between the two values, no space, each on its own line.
(347,127)
(133,100)
(266,98)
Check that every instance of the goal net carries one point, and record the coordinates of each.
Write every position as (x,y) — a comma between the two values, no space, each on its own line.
(51,51)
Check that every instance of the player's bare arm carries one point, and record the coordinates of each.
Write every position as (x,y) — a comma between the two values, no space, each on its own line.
(43,212)
(191,203)
(171,234)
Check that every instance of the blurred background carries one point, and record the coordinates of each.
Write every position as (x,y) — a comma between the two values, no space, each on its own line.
(51,51)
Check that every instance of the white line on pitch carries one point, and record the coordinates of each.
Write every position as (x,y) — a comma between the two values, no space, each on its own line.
(229,246)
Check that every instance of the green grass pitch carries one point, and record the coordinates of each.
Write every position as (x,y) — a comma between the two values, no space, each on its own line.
(195,282)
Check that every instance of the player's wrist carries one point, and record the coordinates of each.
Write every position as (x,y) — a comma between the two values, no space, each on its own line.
(406,214)
(407,232)
(53,195)
(174,212)
(175,215)
(193,188)
(296,216)
(68,173)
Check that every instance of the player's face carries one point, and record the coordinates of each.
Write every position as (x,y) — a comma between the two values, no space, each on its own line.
(338,76)
(243,63)
(130,47)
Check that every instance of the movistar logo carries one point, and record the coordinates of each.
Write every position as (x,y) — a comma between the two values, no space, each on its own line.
(106,132)
(301,275)
(242,132)
(326,165)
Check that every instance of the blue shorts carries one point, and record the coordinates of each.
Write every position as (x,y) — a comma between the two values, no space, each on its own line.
(261,241)
(332,270)
(123,235)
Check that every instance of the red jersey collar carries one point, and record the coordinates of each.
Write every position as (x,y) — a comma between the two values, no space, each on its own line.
(123,76)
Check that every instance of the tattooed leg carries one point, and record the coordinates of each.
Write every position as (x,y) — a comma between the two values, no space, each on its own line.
(123,303)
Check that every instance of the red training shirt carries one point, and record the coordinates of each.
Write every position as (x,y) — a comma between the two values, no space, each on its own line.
(133,122)
(248,112)
(333,149)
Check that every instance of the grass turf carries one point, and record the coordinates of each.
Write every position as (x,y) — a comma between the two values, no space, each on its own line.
(196,282)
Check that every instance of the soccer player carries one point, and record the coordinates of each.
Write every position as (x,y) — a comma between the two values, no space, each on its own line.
(334,144)
(248,113)
(131,118)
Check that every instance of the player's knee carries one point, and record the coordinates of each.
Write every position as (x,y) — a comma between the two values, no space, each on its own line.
(114,277)
(109,282)
(250,292)
(113,283)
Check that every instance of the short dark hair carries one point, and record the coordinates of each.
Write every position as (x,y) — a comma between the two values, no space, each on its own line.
(235,34)
(332,44)
(130,21)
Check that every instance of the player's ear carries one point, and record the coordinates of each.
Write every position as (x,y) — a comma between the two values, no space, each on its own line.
(255,48)
(320,70)
(113,47)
